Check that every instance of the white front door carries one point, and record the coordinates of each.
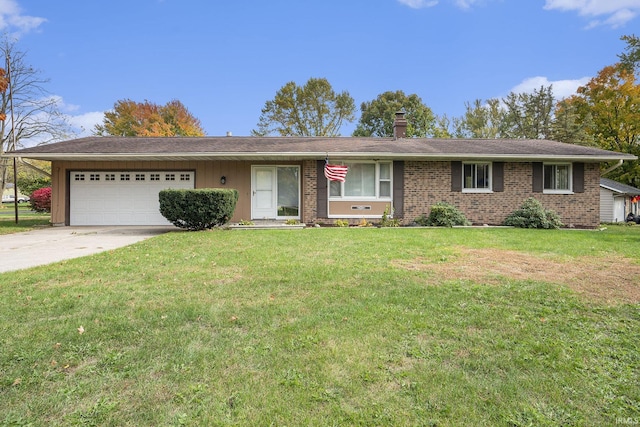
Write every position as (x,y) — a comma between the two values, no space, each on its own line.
(275,192)
(263,192)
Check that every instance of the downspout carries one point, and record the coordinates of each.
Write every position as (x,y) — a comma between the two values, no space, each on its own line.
(616,166)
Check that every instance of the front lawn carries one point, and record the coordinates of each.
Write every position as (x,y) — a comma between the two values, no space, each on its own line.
(331,326)
(27,219)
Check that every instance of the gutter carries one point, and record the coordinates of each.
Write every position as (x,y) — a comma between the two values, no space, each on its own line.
(292,156)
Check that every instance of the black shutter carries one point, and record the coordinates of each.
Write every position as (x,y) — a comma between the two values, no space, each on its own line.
(538,177)
(321,194)
(498,176)
(456,176)
(578,177)
(398,189)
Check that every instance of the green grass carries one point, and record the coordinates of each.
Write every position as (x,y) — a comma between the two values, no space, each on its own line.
(316,327)
(27,219)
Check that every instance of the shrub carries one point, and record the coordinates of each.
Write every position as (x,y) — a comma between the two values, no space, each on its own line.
(41,200)
(386,220)
(443,214)
(198,209)
(533,215)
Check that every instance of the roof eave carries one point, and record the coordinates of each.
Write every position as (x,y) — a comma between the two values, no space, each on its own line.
(318,156)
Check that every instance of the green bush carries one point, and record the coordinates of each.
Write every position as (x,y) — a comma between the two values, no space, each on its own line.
(443,214)
(533,215)
(386,221)
(198,209)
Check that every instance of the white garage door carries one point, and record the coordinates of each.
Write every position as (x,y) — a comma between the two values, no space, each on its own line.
(121,198)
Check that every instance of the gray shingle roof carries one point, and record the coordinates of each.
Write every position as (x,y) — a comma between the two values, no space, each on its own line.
(619,187)
(297,148)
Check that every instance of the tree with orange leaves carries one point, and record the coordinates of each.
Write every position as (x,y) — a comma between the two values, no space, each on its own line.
(130,118)
(608,105)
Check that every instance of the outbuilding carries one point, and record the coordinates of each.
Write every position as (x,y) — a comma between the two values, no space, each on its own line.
(617,200)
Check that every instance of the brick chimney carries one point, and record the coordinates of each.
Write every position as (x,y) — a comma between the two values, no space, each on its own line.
(400,126)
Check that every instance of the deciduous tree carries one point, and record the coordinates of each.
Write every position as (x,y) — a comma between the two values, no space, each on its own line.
(36,117)
(609,104)
(130,118)
(378,116)
(630,61)
(314,109)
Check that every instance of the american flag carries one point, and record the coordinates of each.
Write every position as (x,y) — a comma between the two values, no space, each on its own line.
(335,172)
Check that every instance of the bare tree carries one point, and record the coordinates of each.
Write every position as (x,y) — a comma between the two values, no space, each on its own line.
(27,106)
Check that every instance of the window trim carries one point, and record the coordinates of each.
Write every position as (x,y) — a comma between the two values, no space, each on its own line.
(378,180)
(568,190)
(488,189)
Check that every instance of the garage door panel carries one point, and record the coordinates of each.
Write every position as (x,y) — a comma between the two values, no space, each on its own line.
(121,198)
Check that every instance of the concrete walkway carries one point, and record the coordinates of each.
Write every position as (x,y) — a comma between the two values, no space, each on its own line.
(53,244)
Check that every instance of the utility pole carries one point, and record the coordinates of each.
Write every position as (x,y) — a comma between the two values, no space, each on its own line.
(13,139)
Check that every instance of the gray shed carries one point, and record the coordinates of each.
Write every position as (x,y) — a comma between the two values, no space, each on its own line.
(617,200)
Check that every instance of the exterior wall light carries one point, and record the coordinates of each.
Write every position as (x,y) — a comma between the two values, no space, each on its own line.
(223,180)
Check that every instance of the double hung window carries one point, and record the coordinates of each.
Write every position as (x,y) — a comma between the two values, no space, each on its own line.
(557,177)
(476,177)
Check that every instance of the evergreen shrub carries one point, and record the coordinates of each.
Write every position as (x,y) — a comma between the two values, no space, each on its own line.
(443,214)
(198,209)
(533,215)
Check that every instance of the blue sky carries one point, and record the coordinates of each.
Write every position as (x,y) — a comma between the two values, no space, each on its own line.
(224,59)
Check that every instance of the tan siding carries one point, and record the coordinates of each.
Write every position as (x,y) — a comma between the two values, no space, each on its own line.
(208,173)
(350,208)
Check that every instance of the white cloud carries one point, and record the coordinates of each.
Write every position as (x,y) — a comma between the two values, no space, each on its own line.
(421,4)
(78,125)
(85,123)
(561,88)
(418,4)
(613,13)
(12,19)
(465,4)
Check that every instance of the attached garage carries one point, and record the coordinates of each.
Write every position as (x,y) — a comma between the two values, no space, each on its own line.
(121,198)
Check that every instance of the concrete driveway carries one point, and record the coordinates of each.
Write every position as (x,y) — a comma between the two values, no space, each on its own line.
(53,244)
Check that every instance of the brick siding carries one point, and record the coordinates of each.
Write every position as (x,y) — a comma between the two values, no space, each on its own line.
(427,183)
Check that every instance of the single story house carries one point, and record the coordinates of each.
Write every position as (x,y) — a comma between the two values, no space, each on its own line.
(116,180)
(617,200)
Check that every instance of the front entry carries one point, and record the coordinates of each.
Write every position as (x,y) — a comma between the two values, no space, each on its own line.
(275,192)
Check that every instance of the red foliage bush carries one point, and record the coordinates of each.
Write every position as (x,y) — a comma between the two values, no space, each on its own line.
(41,200)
